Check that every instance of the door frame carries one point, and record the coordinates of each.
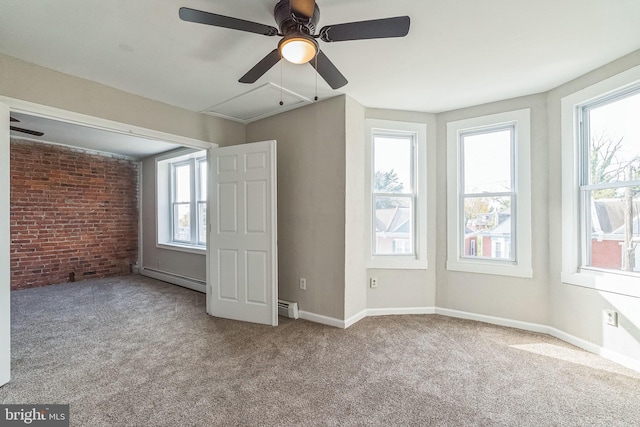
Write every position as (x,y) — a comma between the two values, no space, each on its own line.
(58,114)
(5,251)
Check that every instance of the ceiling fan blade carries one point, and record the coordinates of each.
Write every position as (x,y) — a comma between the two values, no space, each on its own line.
(208,18)
(261,67)
(374,29)
(328,71)
(302,8)
(13,119)
(30,132)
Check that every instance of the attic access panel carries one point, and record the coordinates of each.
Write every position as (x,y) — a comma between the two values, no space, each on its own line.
(263,101)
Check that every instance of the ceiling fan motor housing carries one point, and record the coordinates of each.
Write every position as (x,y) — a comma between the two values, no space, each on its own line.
(289,23)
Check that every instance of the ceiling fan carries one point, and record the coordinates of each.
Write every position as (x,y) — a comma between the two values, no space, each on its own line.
(297,20)
(18,129)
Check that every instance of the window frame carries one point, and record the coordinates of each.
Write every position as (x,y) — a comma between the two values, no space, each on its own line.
(418,132)
(521,265)
(573,272)
(165,202)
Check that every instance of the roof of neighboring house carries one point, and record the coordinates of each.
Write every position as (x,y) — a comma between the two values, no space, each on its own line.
(503,228)
(607,216)
(393,220)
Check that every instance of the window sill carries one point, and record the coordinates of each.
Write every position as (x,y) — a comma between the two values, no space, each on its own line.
(199,250)
(497,268)
(605,281)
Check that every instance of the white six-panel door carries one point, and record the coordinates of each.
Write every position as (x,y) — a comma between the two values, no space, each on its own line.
(243,272)
(5,277)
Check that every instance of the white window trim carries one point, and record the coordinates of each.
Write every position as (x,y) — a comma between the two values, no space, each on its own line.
(594,278)
(522,266)
(163,205)
(417,261)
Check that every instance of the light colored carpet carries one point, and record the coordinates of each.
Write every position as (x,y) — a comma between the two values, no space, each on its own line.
(133,351)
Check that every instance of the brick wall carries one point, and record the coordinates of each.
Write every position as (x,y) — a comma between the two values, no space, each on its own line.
(71,212)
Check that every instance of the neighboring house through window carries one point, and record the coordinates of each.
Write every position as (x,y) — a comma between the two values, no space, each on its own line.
(489,194)
(182,199)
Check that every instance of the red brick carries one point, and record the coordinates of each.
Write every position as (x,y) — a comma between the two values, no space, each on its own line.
(70,212)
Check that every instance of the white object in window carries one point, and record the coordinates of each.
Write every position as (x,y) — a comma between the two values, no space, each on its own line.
(489,194)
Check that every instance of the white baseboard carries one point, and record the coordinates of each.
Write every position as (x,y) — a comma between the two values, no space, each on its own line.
(501,321)
(623,360)
(185,282)
(616,357)
(324,320)
(344,324)
(355,318)
(400,311)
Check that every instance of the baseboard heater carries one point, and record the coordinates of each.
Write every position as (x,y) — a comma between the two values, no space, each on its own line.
(288,309)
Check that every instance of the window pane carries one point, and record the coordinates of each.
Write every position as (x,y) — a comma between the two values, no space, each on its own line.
(392,164)
(487,227)
(182,183)
(613,234)
(487,162)
(203,180)
(614,132)
(182,222)
(393,226)
(202,222)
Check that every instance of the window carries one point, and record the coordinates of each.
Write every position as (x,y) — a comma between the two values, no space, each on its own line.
(487,198)
(182,199)
(609,145)
(397,191)
(601,185)
(393,193)
(489,194)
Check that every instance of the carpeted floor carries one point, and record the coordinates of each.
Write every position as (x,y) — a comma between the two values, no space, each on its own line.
(133,351)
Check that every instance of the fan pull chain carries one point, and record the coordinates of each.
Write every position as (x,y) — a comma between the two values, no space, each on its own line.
(315,98)
(281,102)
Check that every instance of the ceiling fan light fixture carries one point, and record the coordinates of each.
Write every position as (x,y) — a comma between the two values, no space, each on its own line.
(298,49)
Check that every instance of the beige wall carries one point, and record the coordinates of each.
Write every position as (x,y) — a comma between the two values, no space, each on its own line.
(311,203)
(513,298)
(410,288)
(577,310)
(355,292)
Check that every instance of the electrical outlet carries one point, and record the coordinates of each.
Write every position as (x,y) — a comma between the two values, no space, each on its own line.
(373,282)
(303,284)
(611,317)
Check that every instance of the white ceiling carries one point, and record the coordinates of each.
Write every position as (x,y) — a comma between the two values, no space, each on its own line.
(458,52)
(88,138)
